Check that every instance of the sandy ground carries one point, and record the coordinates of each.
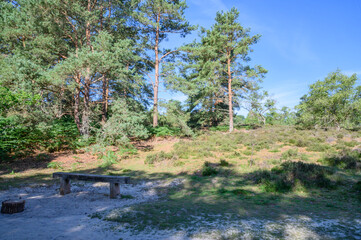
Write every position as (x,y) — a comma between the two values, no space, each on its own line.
(51,216)
(48,215)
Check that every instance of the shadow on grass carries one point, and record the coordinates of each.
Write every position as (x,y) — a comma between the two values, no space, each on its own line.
(210,202)
(214,202)
(39,161)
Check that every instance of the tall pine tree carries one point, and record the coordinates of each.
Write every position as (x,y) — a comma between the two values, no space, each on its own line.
(157,19)
(214,73)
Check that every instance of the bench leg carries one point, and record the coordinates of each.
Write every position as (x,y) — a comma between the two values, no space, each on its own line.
(64,186)
(114,190)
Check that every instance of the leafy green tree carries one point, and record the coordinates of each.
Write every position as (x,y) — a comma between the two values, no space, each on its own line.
(283,116)
(157,19)
(69,52)
(175,116)
(126,122)
(332,102)
(216,70)
(259,104)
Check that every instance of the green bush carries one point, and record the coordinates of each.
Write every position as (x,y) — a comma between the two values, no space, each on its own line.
(127,121)
(15,136)
(318,147)
(59,134)
(346,159)
(165,131)
(247,152)
(223,163)
(208,171)
(290,154)
(289,175)
(176,118)
(108,159)
(222,128)
(55,165)
(159,157)
(19,135)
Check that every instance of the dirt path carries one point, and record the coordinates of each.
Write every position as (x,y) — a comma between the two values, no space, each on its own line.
(51,216)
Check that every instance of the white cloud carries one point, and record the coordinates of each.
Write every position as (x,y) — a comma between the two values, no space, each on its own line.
(295,46)
(351,72)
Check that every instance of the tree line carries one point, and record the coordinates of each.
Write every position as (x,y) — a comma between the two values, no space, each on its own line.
(77,72)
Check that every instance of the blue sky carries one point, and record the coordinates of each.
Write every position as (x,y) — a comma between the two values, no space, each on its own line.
(302,41)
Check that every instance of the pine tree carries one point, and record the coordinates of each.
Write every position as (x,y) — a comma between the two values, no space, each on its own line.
(157,19)
(213,72)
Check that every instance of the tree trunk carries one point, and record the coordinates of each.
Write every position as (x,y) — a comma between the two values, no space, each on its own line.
(230,103)
(105,99)
(156,83)
(77,103)
(85,129)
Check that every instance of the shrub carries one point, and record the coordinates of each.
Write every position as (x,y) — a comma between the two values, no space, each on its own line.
(222,128)
(289,175)
(165,131)
(289,154)
(247,152)
(223,163)
(347,159)
(58,134)
(208,169)
(318,147)
(43,157)
(108,159)
(55,165)
(159,157)
(176,117)
(127,121)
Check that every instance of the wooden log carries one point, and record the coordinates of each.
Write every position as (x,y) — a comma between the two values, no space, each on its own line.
(64,186)
(12,206)
(114,190)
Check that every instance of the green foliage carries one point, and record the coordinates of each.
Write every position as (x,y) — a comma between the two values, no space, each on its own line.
(291,175)
(346,159)
(223,163)
(15,136)
(221,128)
(108,159)
(159,157)
(318,147)
(203,70)
(259,104)
(165,131)
(333,102)
(290,154)
(22,135)
(176,117)
(58,134)
(208,170)
(55,165)
(127,121)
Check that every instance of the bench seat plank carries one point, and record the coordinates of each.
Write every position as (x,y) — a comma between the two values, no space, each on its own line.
(92,177)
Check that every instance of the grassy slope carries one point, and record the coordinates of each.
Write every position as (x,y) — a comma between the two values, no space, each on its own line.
(247,187)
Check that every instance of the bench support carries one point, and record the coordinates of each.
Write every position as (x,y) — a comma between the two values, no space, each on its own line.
(114,190)
(64,186)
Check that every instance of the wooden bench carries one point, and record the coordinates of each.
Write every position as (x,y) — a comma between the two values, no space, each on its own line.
(113,180)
